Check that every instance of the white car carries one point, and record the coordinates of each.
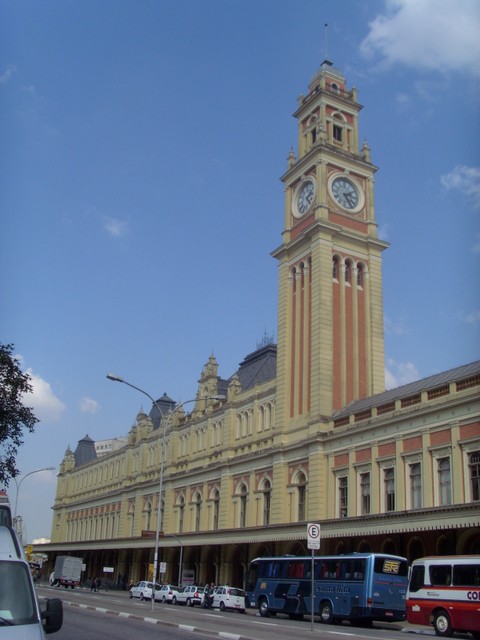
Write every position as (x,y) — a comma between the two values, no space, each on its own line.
(165,593)
(226,597)
(190,595)
(143,590)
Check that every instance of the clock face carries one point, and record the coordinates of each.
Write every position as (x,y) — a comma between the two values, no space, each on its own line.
(304,197)
(345,193)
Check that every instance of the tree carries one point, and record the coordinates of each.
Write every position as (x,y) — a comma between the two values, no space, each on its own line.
(14,416)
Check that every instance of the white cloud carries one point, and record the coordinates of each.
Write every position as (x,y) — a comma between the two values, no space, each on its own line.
(116,228)
(395,327)
(466,180)
(6,76)
(399,373)
(89,405)
(46,406)
(472,317)
(438,35)
(476,245)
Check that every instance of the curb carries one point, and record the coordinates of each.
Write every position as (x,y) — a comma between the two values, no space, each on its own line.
(181,627)
(195,629)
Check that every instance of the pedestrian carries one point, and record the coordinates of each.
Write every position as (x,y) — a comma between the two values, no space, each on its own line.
(206,600)
(93,584)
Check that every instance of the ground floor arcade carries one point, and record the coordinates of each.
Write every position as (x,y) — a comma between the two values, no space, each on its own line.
(224,556)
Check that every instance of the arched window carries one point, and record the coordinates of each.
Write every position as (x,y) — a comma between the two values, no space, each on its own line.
(301,495)
(181,513)
(148,515)
(198,511)
(243,505)
(267,494)
(216,508)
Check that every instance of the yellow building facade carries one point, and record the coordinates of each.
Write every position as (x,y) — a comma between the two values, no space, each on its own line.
(304,430)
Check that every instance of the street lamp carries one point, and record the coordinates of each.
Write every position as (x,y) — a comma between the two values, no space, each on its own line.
(19,484)
(115,378)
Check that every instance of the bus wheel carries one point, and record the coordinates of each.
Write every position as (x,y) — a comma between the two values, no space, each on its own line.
(326,613)
(263,608)
(442,624)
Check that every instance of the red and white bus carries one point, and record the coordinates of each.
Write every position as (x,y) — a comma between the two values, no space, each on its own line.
(444,592)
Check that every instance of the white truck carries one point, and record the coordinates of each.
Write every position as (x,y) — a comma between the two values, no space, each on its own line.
(67,571)
(21,617)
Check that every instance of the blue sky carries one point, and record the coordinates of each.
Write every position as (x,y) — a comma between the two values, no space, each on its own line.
(142,144)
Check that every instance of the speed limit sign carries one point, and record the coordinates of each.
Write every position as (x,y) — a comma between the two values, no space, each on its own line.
(313,535)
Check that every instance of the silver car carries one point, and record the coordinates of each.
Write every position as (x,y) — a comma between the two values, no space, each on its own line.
(190,596)
(143,590)
(226,597)
(165,593)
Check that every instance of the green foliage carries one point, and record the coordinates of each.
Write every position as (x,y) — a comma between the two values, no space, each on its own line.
(14,416)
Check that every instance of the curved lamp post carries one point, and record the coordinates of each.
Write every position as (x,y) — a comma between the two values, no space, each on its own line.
(166,422)
(19,484)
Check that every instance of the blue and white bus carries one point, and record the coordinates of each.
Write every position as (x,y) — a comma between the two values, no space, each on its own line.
(360,587)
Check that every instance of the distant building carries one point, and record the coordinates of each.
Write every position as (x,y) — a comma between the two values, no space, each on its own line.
(307,431)
(102,447)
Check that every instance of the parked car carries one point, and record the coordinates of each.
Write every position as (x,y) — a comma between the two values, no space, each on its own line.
(190,595)
(166,593)
(143,590)
(226,597)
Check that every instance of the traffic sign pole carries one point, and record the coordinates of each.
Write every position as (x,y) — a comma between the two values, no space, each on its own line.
(313,542)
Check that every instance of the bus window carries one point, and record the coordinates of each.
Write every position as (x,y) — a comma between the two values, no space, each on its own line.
(417,579)
(466,575)
(440,575)
(358,569)
(296,569)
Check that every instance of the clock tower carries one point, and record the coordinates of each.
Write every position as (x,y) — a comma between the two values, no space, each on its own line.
(330,317)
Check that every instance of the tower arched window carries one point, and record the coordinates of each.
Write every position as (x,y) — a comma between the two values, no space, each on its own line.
(348,271)
(360,275)
(335,267)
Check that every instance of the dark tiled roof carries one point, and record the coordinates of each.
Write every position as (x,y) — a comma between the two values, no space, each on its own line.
(410,389)
(258,367)
(165,404)
(85,451)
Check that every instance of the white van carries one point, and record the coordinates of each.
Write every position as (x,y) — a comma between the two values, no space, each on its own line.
(20,615)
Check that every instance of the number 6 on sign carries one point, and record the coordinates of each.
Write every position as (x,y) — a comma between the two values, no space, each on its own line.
(313,535)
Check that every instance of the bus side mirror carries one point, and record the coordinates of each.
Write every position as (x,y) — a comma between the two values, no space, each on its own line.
(52,616)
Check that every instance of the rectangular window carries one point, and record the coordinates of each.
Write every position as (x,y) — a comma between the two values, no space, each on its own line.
(389,484)
(415,486)
(343,496)
(365,494)
(474,470)
(337,133)
(444,481)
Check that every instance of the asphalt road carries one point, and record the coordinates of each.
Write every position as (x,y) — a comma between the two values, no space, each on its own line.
(97,616)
